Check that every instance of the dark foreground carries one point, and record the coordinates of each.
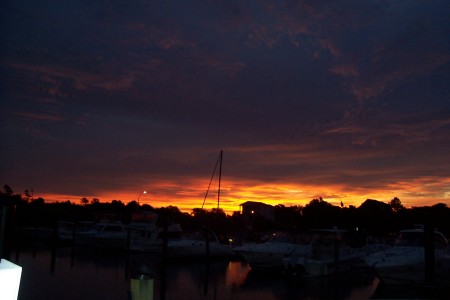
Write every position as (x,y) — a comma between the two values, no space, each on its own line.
(87,273)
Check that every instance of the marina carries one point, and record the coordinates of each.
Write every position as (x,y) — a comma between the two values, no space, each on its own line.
(262,150)
(166,254)
(80,272)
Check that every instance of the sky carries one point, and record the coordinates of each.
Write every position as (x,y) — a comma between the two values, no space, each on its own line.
(344,100)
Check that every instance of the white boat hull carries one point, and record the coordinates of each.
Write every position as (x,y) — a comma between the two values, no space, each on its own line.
(401,265)
(405,262)
(325,267)
(197,248)
(270,254)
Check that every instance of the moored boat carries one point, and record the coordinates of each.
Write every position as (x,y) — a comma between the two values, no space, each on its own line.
(332,251)
(150,238)
(68,230)
(199,244)
(406,262)
(270,253)
(104,234)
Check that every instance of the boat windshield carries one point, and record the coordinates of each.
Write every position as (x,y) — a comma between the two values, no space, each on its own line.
(410,239)
(416,239)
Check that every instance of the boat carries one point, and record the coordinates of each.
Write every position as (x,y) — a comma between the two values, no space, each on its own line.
(68,230)
(405,262)
(199,244)
(203,243)
(38,232)
(270,253)
(332,251)
(143,234)
(105,235)
(149,238)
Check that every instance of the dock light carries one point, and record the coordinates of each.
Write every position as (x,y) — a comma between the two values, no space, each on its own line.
(144,192)
(142,287)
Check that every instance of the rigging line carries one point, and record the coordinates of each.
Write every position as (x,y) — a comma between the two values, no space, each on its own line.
(212,177)
(220,178)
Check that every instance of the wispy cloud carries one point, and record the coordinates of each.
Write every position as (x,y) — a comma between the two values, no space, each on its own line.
(306,98)
(40,117)
(82,80)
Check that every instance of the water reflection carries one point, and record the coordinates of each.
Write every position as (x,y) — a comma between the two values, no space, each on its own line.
(236,274)
(83,273)
(341,286)
(55,277)
(364,292)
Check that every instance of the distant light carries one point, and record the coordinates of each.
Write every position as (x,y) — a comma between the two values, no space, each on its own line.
(139,197)
(253,211)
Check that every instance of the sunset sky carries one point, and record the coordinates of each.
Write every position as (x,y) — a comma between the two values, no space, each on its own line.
(344,100)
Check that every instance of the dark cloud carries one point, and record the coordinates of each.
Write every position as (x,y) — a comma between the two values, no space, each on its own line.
(344,99)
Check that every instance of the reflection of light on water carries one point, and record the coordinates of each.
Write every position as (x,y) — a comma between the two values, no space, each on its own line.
(365,292)
(236,273)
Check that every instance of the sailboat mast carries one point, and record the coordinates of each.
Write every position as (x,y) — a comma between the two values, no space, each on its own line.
(219,160)
(220,177)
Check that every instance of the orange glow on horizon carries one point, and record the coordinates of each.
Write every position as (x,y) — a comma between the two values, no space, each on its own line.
(421,192)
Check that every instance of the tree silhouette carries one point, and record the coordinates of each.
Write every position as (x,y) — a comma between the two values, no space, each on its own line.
(8,190)
(320,214)
(375,217)
(396,204)
(27,195)
(84,201)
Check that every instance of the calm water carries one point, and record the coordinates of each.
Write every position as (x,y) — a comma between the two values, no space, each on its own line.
(82,273)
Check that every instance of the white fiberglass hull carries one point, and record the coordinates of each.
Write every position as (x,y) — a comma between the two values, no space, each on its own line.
(324,267)
(269,255)
(197,248)
(400,265)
